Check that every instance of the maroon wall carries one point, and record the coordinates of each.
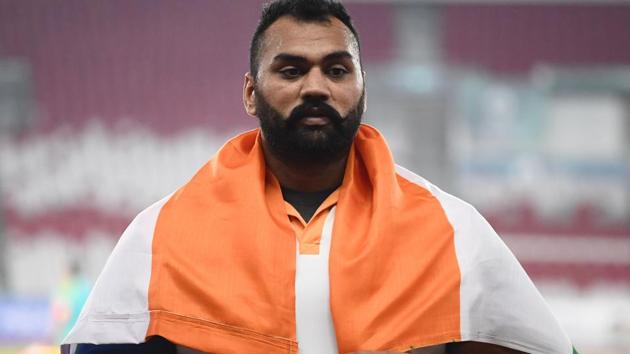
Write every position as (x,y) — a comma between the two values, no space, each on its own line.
(512,39)
(166,64)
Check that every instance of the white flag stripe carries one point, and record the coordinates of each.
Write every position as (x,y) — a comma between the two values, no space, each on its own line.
(499,303)
(117,310)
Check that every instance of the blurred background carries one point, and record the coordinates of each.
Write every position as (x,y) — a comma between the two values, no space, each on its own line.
(522,109)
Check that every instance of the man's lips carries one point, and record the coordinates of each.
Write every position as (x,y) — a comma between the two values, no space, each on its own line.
(313,121)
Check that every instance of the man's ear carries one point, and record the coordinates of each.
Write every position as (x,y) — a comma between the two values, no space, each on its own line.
(249,95)
(364,93)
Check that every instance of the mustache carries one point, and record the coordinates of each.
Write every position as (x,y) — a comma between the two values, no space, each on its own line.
(314,107)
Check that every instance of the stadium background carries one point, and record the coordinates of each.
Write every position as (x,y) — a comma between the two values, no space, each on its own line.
(521,109)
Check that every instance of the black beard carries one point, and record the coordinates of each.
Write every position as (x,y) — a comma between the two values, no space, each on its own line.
(296,143)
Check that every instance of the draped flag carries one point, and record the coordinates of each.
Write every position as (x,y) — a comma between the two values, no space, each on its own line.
(212,266)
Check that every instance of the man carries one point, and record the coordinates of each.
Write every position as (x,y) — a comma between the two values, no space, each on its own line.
(305,234)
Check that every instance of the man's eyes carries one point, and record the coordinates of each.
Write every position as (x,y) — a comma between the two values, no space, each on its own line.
(290,73)
(335,72)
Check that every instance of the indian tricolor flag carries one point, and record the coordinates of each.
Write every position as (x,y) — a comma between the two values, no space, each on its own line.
(213,266)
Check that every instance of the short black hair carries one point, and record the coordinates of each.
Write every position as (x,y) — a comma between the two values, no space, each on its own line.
(301,10)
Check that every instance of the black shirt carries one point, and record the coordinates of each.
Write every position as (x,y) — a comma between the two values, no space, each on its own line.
(306,203)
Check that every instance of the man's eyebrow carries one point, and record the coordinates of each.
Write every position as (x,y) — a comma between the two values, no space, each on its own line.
(342,54)
(289,57)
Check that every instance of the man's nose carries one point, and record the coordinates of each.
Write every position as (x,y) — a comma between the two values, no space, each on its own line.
(315,84)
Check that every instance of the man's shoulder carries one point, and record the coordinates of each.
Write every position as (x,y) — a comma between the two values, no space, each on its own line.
(150,213)
(451,204)
(467,222)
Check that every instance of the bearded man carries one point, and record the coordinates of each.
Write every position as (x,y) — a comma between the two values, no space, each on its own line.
(304,235)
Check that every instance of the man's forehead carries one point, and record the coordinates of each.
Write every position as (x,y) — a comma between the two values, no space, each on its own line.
(313,38)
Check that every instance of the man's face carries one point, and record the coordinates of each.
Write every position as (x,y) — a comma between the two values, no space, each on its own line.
(309,91)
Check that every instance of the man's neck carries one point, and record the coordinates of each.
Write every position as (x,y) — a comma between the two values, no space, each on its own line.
(305,177)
